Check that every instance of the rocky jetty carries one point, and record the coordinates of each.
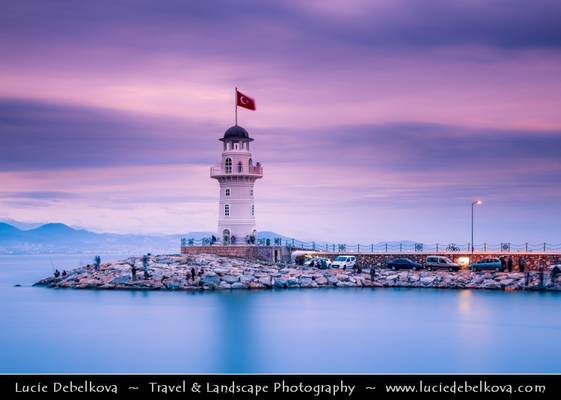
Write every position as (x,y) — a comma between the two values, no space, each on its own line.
(174,272)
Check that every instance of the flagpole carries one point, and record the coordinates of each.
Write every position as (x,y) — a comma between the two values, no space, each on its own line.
(236,103)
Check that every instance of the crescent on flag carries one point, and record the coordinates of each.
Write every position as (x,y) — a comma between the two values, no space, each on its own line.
(244,101)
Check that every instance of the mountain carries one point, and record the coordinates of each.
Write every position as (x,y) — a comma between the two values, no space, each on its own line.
(61,238)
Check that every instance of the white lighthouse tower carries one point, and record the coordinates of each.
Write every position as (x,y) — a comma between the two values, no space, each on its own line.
(236,175)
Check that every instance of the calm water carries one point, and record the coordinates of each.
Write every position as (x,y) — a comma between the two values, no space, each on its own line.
(326,330)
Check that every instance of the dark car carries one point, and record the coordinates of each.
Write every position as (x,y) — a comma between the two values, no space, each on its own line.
(404,263)
(487,264)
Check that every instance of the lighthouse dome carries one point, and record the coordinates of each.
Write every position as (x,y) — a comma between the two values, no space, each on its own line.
(236,132)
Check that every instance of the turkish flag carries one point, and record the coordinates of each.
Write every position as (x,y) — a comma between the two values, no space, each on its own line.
(244,101)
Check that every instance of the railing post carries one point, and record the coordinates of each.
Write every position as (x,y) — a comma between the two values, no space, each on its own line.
(358,248)
(526,247)
(386,247)
(372,248)
(544,247)
(437,247)
(400,247)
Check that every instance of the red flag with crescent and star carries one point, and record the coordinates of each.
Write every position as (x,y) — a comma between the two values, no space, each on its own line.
(244,101)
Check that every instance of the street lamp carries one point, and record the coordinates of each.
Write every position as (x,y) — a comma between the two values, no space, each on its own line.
(473,204)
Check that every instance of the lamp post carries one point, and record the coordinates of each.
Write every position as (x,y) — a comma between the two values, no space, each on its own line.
(473,204)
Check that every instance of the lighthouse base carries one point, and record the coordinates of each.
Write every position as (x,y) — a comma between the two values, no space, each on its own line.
(275,254)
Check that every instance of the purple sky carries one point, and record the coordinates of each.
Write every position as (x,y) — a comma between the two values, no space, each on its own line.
(377,120)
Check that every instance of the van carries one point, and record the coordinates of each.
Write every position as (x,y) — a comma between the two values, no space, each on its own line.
(440,262)
(344,262)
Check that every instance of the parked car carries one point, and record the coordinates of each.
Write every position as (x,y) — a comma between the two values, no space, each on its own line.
(439,262)
(344,262)
(487,264)
(318,262)
(404,263)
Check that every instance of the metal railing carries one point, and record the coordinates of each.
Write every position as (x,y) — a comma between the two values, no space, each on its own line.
(390,247)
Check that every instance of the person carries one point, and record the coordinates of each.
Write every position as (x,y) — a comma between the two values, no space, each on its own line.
(510,263)
(64,273)
(212,240)
(358,268)
(521,264)
(56,273)
(372,272)
(323,263)
(145,267)
(193,274)
(503,263)
(163,281)
(133,272)
(97,262)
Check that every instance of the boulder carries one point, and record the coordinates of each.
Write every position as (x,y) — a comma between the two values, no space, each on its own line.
(230,279)
(210,279)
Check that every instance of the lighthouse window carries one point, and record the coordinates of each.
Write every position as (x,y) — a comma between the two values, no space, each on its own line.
(240,168)
(227,210)
(251,192)
(252,211)
(228,192)
(228,165)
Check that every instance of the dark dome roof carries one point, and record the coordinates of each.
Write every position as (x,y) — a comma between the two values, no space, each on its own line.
(236,132)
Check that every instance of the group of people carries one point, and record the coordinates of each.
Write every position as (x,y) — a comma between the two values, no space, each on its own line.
(58,274)
(508,263)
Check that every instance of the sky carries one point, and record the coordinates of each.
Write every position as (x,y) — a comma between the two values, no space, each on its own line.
(376,120)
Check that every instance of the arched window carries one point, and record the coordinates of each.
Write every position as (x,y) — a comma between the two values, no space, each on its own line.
(240,167)
(226,210)
(251,192)
(228,166)
(227,192)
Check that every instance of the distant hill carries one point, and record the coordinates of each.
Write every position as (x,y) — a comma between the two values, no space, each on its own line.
(61,238)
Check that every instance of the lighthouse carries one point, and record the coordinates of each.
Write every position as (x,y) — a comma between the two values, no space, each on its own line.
(236,174)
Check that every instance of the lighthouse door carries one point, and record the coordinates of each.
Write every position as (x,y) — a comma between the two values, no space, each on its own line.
(226,236)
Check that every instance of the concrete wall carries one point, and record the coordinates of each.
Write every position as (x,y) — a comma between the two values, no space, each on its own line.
(266,253)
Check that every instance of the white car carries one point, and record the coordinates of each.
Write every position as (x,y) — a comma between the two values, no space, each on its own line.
(344,262)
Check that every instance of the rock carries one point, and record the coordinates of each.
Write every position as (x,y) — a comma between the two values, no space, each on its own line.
(265,281)
(279,283)
(342,277)
(321,280)
(292,282)
(332,280)
(224,285)
(230,279)
(210,279)
(428,280)
(238,285)
(246,279)
(306,282)
(120,280)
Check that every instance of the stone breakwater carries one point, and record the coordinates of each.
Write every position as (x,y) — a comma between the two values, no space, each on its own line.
(174,272)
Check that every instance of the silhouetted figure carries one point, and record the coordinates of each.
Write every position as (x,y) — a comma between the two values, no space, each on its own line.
(521,264)
(64,273)
(503,263)
(163,281)
(212,240)
(193,274)
(372,273)
(145,267)
(56,273)
(97,262)
(510,263)
(133,272)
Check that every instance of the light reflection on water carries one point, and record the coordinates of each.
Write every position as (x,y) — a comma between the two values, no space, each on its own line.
(321,330)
